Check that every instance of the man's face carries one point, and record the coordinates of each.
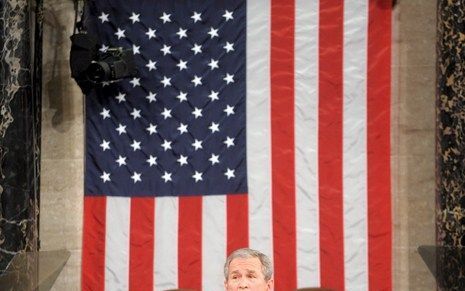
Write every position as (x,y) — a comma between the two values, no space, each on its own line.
(246,274)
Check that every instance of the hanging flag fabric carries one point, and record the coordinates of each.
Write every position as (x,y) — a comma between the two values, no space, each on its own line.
(262,124)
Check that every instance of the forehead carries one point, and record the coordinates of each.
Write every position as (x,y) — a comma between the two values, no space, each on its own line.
(245,264)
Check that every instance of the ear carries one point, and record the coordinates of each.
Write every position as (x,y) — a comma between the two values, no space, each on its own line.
(225,285)
(270,284)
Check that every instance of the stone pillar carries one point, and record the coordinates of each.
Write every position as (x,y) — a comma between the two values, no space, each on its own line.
(19,128)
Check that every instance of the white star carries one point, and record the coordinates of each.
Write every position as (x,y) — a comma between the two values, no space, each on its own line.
(136,177)
(166,176)
(197,49)
(135,145)
(182,33)
(105,145)
(182,96)
(196,17)
(214,127)
(166,81)
(213,96)
(152,128)
(120,97)
(229,78)
(151,97)
(197,144)
(197,112)
(229,47)
(213,32)
(151,65)
(152,160)
(135,82)
(121,160)
(105,83)
(151,33)
(166,145)
(213,64)
(197,81)
(229,110)
(166,49)
(134,18)
(229,173)
(120,33)
(121,129)
(182,65)
(105,177)
(166,113)
(135,113)
(229,141)
(214,159)
(228,15)
(182,128)
(135,49)
(182,160)
(103,17)
(103,48)
(165,17)
(197,176)
(105,113)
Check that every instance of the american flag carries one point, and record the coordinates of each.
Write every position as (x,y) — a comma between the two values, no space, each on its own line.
(260,123)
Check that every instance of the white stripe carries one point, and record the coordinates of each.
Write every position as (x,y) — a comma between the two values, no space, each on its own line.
(213,241)
(354,145)
(306,142)
(258,125)
(117,243)
(166,243)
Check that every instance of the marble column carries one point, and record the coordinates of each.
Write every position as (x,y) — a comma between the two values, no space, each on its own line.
(20,21)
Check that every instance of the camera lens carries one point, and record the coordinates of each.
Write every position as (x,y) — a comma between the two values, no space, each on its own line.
(98,72)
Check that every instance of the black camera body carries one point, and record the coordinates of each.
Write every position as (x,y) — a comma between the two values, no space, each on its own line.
(89,66)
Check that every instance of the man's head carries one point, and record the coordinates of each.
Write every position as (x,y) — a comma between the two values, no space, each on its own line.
(247,269)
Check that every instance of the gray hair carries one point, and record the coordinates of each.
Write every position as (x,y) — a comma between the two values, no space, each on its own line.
(245,253)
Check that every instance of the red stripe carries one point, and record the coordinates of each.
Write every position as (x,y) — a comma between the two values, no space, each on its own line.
(282,143)
(190,243)
(141,244)
(378,143)
(93,244)
(237,222)
(330,143)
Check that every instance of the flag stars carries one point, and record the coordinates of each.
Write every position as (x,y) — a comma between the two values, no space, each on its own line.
(166,81)
(105,145)
(182,160)
(166,49)
(213,32)
(197,81)
(182,128)
(135,82)
(165,17)
(229,110)
(214,159)
(213,96)
(196,17)
(121,129)
(121,97)
(229,47)
(105,113)
(105,177)
(229,173)
(151,65)
(166,113)
(121,160)
(214,127)
(197,176)
(135,18)
(103,48)
(152,161)
(151,33)
(197,112)
(135,113)
(197,144)
(182,33)
(182,96)
(229,142)
(151,97)
(213,64)
(136,177)
(152,128)
(166,145)
(104,17)
(182,65)
(229,79)
(228,15)
(135,49)
(197,49)
(166,177)
(120,33)
(135,145)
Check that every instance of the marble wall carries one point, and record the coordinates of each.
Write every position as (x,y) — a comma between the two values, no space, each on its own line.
(413,143)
